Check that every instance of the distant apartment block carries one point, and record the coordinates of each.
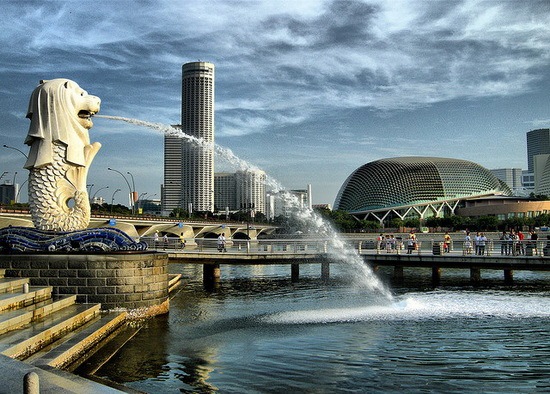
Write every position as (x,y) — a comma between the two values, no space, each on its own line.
(512,177)
(8,193)
(287,201)
(250,190)
(225,191)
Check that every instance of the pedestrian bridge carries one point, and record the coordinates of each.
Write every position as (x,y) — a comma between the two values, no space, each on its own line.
(145,227)
(295,252)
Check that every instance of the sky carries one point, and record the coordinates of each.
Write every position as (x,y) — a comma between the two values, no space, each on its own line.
(306,90)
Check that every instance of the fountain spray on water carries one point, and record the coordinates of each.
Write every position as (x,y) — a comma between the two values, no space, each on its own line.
(338,250)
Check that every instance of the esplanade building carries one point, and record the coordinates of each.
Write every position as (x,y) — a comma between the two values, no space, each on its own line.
(420,187)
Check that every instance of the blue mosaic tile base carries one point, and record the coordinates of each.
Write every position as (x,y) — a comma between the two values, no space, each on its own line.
(103,239)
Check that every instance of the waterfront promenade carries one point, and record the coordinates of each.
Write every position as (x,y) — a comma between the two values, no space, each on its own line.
(428,254)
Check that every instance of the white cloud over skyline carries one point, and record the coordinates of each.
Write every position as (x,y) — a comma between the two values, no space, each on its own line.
(306,90)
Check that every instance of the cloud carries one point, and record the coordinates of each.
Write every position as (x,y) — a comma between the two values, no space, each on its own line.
(284,69)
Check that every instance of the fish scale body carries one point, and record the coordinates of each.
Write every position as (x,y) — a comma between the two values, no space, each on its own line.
(50,189)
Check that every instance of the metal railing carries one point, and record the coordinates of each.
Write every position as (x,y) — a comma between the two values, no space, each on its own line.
(492,247)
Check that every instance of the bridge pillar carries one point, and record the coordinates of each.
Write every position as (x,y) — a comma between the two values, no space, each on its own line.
(436,276)
(295,272)
(211,275)
(398,273)
(509,276)
(475,276)
(325,270)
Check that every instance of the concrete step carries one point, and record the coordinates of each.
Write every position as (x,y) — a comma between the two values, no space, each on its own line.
(17,299)
(11,284)
(76,346)
(22,343)
(91,365)
(14,319)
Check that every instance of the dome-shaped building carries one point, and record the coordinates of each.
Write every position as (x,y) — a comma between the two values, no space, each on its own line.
(419,184)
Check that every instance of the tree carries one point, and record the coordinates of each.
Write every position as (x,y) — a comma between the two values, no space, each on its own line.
(487,223)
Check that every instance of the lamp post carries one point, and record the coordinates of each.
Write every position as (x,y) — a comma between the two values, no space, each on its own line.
(14,175)
(19,191)
(133,192)
(18,150)
(113,199)
(126,180)
(98,190)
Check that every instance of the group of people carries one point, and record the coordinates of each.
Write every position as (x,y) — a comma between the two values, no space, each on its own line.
(514,243)
(478,242)
(391,243)
(165,241)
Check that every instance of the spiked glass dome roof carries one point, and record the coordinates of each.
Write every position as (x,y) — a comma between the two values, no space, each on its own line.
(406,181)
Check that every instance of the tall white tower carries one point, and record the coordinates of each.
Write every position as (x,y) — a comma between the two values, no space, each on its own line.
(188,166)
(197,120)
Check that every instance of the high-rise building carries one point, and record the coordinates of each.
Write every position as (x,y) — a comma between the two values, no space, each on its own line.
(189,163)
(538,143)
(285,202)
(225,187)
(8,193)
(512,177)
(250,190)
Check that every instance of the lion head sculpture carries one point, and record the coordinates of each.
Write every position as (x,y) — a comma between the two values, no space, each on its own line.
(60,111)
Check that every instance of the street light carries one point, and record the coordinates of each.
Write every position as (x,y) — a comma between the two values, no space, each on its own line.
(113,199)
(4,173)
(19,191)
(100,189)
(128,183)
(18,150)
(133,191)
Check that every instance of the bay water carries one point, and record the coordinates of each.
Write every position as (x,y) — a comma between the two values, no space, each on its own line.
(259,332)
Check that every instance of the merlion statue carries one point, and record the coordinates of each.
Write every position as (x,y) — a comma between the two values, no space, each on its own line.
(60,154)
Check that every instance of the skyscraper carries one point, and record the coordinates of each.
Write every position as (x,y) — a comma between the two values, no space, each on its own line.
(250,190)
(188,165)
(538,143)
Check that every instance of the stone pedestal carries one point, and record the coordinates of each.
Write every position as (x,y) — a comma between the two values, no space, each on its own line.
(116,280)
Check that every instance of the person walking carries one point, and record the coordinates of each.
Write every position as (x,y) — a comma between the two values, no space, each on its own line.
(221,243)
(156,239)
(482,242)
(447,242)
(504,238)
(521,245)
(467,248)
(411,243)
(165,239)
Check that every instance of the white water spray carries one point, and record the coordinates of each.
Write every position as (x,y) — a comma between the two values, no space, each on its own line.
(337,248)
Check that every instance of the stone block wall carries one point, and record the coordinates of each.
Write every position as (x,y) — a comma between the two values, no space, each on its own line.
(117,280)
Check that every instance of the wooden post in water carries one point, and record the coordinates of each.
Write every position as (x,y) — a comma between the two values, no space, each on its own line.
(475,276)
(398,273)
(325,270)
(436,276)
(508,276)
(211,275)
(295,272)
